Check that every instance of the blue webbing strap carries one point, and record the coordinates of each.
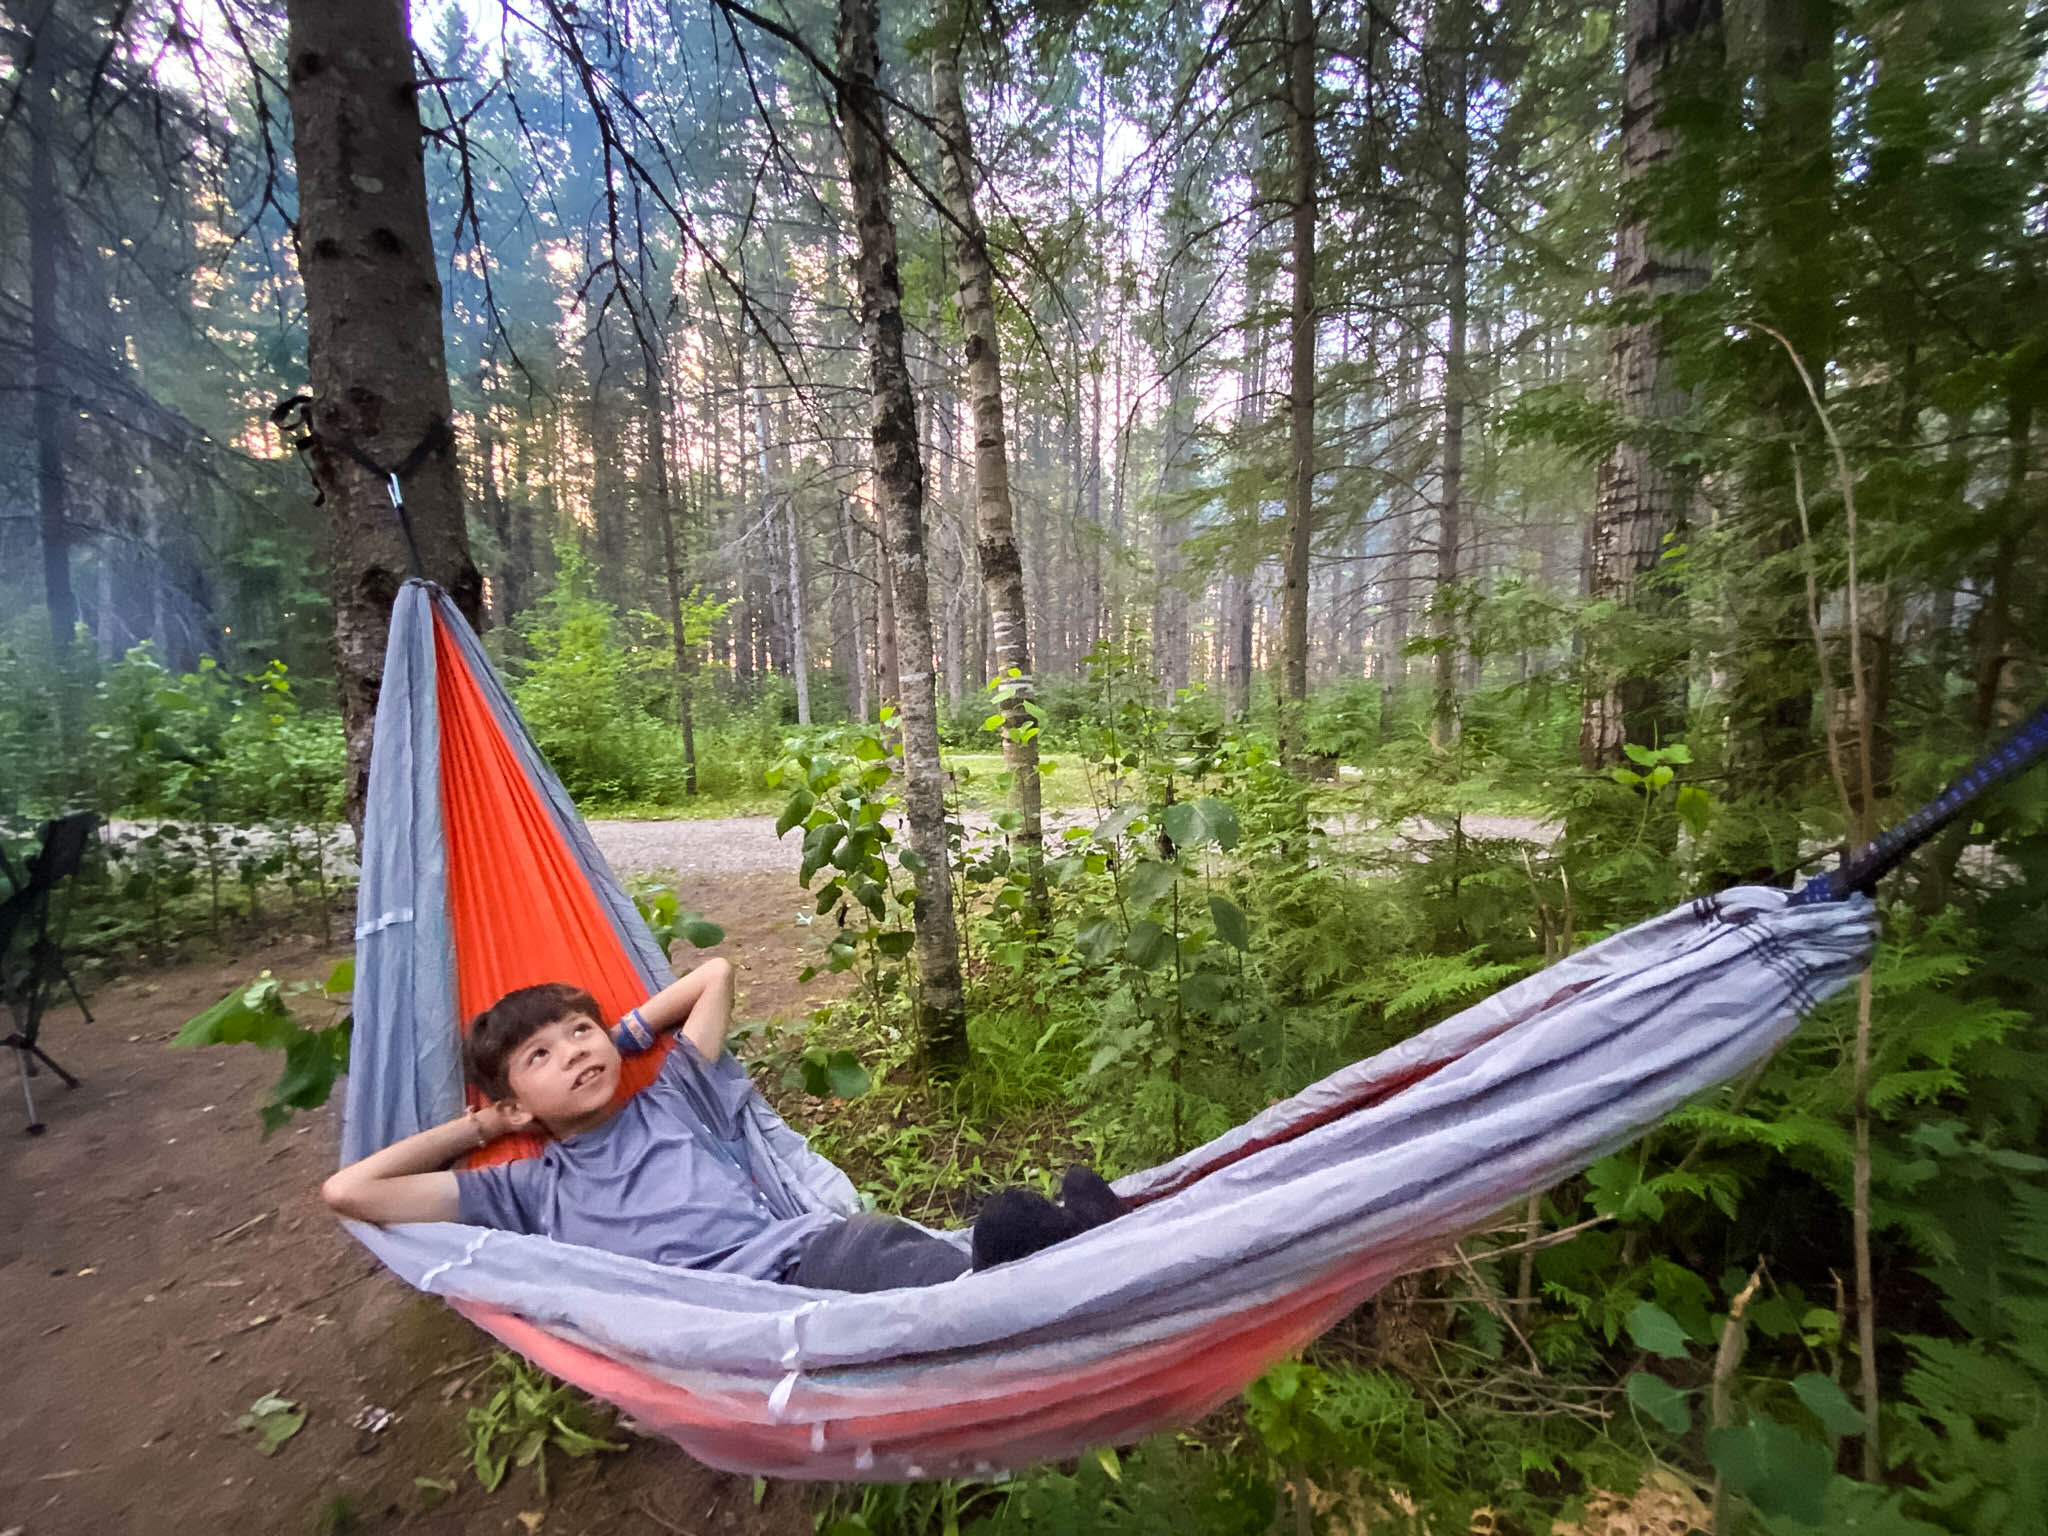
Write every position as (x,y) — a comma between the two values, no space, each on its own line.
(2022,747)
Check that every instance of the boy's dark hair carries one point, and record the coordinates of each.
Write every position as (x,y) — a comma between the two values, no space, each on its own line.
(510,1022)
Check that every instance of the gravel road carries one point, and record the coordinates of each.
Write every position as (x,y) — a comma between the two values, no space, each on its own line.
(740,845)
(747,845)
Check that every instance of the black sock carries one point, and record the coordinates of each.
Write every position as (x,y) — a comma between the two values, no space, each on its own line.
(1016,1222)
(1088,1197)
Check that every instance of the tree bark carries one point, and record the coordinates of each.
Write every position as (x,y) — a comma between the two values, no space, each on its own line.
(52,414)
(379,377)
(1002,573)
(1301,384)
(674,551)
(899,497)
(1443,715)
(1640,502)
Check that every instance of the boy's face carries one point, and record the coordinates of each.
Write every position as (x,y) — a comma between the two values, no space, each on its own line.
(565,1073)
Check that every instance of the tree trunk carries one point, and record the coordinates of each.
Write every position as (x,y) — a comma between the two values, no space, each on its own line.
(52,412)
(1301,383)
(378,374)
(899,499)
(1443,715)
(1002,573)
(849,642)
(1640,501)
(674,552)
(888,668)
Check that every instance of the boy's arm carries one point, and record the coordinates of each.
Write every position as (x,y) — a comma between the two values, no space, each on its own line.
(409,1180)
(700,1005)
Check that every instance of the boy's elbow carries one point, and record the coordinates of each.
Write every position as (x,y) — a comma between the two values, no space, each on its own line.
(341,1196)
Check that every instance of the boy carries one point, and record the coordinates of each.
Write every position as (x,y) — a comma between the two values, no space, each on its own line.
(663,1176)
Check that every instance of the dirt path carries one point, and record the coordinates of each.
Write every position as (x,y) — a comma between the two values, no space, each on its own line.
(164,1267)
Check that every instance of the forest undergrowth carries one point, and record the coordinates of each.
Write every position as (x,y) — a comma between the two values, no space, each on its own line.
(1677,1317)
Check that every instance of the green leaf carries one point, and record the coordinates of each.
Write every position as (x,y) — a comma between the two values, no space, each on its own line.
(1184,823)
(911,860)
(342,979)
(1010,821)
(896,943)
(1657,1331)
(1096,941)
(1826,1401)
(869,750)
(1642,756)
(1149,880)
(795,811)
(1117,822)
(1775,1467)
(1221,817)
(1661,775)
(433,1490)
(1231,926)
(1106,1458)
(275,1420)
(701,932)
(834,1075)
(251,1015)
(1149,945)
(1658,1400)
(1695,808)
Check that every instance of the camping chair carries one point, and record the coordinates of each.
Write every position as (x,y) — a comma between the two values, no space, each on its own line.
(32,949)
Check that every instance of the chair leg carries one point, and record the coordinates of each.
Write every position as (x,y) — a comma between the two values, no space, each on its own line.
(35,1126)
(50,1061)
(77,996)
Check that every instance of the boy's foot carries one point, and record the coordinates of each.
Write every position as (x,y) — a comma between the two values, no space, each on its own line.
(1017,1222)
(1088,1197)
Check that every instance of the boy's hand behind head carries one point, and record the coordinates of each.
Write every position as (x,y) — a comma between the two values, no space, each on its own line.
(504,1118)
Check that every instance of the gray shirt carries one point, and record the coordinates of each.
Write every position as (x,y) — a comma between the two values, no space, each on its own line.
(666,1178)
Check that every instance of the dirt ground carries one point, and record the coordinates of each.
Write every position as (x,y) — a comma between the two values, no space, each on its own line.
(163,1267)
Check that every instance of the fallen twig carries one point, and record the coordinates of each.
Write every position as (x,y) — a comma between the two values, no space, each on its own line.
(219,1239)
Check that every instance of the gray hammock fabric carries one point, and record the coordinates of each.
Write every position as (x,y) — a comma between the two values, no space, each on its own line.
(1238,1252)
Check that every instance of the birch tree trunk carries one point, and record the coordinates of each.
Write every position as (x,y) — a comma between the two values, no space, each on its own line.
(1640,501)
(1443,715)
(1002,573)
(378,374)
(899,499)
(1301,384)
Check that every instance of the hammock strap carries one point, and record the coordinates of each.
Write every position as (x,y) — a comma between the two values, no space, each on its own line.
(2022,747)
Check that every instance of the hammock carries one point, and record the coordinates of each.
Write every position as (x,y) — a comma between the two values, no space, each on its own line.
(478,877)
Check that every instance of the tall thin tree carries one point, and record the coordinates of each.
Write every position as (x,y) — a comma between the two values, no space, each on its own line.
(899,499)
(1002,572)
(1304,170)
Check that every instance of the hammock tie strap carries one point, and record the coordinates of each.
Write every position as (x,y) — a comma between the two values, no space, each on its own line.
(384,920)
(435,442)
(2019,750)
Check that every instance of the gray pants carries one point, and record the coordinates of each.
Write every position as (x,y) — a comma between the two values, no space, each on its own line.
(873,1252)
